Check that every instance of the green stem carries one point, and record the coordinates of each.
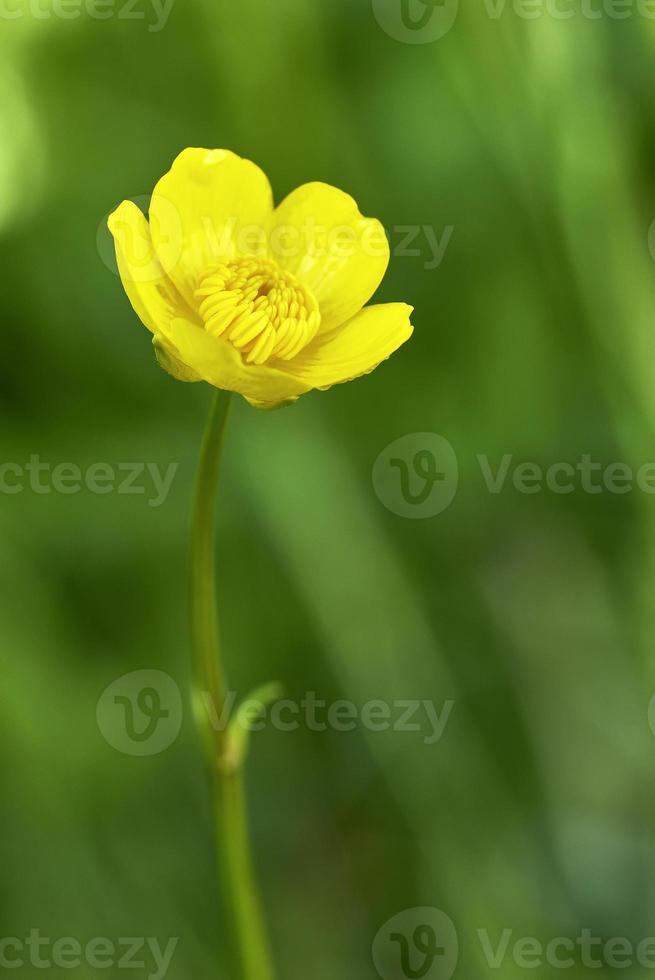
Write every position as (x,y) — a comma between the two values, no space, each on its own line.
(230,818)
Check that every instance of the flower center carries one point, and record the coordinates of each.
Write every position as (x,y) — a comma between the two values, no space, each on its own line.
(261,309)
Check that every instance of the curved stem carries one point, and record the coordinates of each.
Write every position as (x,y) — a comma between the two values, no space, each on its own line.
(230,818)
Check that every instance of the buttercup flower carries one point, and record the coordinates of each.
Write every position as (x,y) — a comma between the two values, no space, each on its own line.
(264,301)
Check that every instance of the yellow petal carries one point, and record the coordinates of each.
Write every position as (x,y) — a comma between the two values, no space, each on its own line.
(210,206)
(168,359)
(356,348)
(319,235)
(152,295)
(215,360)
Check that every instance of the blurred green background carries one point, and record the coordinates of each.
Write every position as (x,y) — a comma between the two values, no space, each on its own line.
(534,141)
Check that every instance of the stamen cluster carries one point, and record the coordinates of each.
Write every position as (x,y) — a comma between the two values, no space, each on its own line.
(260,308)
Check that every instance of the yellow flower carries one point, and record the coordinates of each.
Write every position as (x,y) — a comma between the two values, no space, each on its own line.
(266,302)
